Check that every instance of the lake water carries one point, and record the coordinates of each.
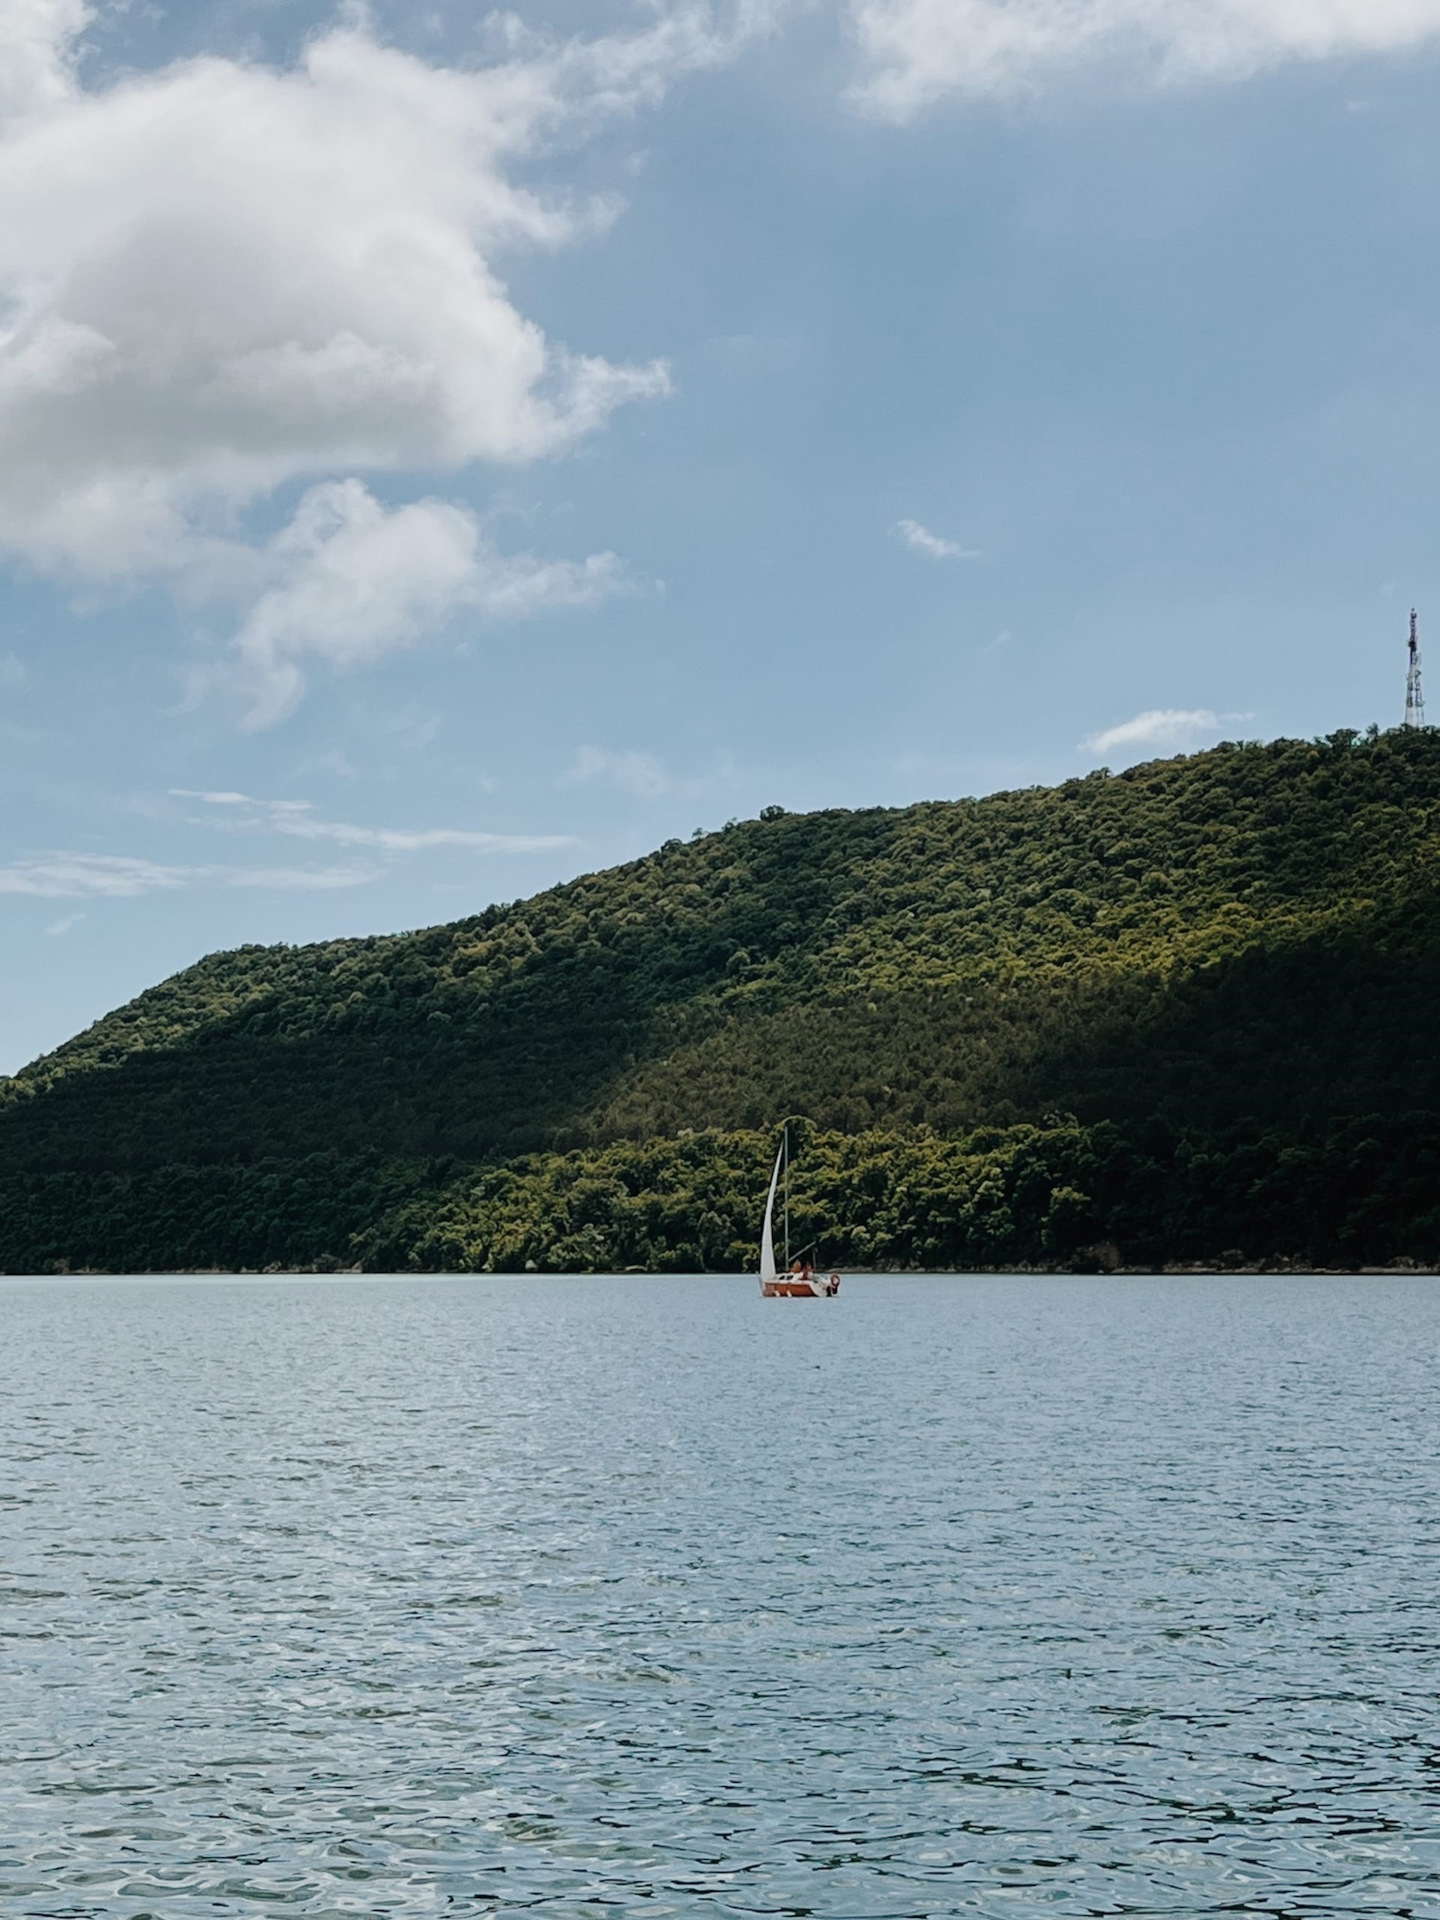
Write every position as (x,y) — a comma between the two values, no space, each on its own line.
(640,1597)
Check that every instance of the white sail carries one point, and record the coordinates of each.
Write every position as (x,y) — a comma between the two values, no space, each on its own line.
(767,1234)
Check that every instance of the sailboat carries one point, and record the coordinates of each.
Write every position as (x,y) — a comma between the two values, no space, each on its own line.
(800,1281)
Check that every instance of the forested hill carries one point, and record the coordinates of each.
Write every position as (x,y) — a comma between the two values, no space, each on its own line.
(1246,937)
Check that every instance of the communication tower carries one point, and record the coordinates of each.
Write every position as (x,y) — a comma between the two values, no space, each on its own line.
(1414,698)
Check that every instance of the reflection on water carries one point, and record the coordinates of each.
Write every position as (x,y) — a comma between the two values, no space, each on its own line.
(993,1596)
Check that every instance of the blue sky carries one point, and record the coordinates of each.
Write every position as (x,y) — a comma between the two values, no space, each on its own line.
(446,453)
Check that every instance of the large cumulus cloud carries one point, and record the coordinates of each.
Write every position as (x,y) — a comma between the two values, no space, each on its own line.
(220,278)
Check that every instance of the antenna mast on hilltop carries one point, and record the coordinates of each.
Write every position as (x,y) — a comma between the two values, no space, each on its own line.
(1414,698)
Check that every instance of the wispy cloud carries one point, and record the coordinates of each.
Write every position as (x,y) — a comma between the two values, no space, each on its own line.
(12,671)
(63,875)
(915,52)
(64,924)
(633,772)
(1159,728)
(933,545)
(101,876)
(69,876)
(241,813)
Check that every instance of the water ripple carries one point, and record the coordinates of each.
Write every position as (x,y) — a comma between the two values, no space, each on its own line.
(598,1598)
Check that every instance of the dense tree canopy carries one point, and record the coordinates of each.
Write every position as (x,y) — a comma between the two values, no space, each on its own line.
(1236,949)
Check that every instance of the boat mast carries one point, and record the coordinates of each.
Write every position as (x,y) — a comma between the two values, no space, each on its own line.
(787,1199)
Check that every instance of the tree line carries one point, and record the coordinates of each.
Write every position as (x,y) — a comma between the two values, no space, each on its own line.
(1059,1196)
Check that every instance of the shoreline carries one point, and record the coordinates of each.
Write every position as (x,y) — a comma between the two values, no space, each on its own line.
(1171,1271)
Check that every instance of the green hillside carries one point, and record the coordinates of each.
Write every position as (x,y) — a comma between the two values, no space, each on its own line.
(1231,948)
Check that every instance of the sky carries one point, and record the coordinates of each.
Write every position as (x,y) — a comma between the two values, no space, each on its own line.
(448,451)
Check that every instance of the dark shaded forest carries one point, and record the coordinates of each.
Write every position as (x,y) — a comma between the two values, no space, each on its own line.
(1182,1013)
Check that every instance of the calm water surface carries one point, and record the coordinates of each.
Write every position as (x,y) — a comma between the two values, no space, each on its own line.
(588,1597)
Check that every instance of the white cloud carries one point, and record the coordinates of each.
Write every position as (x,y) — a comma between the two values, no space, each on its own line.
(238,812)
(221,278)
(71,876)
(1161,729)
(64,924)
(79,876)
(933,545)
(34,43)
(637,773)
(60,876)
(352,581)
(917,51)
